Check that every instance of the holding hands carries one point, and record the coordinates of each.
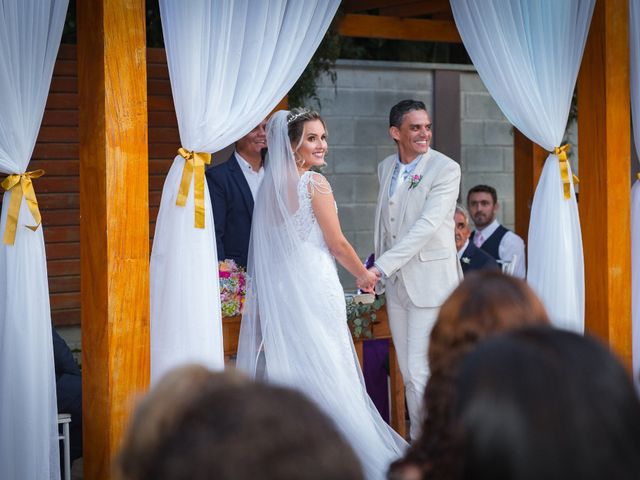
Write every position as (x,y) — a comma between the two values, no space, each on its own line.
(367,281)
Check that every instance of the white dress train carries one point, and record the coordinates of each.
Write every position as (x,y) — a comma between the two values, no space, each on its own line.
(305,342)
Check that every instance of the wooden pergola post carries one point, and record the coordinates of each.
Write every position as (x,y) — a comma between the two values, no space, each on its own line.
(527,166)
(604,139)
(114,227)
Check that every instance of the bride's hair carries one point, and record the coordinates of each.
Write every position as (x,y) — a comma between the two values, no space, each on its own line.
(295,121)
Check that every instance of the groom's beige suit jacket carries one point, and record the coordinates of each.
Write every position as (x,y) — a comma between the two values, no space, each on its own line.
(414,229)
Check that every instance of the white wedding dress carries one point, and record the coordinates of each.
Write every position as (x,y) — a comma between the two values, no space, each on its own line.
(294,330)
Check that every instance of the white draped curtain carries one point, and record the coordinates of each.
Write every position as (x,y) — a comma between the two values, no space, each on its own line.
(30,32)
(528,54)
(230,63)
(634,50)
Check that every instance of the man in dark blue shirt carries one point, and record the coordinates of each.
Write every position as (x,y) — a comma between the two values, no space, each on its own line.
(233,186)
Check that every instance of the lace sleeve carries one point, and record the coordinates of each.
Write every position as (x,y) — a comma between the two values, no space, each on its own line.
(318,183)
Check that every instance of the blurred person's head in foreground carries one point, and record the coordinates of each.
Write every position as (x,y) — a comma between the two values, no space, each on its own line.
(541,403)
(196,424)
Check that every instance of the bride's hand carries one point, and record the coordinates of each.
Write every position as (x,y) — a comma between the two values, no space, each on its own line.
(367,281)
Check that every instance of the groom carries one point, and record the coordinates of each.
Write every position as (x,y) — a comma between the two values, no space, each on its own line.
(414,243)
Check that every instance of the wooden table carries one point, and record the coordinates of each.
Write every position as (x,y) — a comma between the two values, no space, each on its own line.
(380,329)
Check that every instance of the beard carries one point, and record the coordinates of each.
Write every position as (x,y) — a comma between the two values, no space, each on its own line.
(480,219)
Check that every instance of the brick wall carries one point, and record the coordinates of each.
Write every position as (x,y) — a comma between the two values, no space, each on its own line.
(57,152)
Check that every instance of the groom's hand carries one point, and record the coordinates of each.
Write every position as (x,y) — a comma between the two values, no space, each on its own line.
(376,271)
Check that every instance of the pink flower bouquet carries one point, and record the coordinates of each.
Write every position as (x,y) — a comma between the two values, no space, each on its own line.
(232,288)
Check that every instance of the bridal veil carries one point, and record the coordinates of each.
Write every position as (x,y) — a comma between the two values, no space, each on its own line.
(294,330)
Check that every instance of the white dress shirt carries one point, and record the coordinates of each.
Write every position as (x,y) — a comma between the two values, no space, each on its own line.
(510,245)
(464,247)
(254,179)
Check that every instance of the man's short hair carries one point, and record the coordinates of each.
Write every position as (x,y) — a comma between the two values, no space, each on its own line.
(484,189)
(464,212)
(399,110)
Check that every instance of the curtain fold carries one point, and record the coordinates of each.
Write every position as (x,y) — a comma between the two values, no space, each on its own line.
(634,51)
(230,63)
(528,55)
(30,33)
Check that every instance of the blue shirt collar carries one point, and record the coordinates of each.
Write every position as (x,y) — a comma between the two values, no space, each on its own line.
(409,167)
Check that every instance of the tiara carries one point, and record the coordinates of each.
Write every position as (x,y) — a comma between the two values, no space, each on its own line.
(297,115)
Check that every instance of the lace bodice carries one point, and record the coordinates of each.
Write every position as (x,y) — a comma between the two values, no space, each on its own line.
(294,331)
(311,183)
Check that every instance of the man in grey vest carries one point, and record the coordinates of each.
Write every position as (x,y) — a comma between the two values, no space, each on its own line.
(414,242)
(495,239)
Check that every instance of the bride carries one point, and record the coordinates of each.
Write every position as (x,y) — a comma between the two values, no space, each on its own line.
(294,330)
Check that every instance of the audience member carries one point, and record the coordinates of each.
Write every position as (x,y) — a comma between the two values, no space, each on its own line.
(539,403)
(495,239)
(471,257)
(68,392)
(233,186)
(196,424)
(484,304)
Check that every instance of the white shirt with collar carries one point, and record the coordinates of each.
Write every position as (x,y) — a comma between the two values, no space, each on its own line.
(254,179)
(464,247)
(510,245)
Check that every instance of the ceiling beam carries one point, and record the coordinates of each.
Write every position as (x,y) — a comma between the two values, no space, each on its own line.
(417,8)
(422,30)
(354,6)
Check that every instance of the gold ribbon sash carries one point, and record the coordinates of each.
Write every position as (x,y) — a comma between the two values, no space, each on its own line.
(194,163)
(561,153)
(19,185)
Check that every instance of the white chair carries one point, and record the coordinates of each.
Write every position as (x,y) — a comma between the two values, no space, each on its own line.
(508,266)
(65,420)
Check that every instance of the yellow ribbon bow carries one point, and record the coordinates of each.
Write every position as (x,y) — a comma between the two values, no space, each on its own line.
(19,185)
(561,152)
(194,163)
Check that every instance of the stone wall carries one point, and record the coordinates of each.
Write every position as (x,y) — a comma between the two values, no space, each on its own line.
(486,139)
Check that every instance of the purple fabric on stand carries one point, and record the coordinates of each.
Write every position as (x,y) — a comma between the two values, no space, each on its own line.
(376,371)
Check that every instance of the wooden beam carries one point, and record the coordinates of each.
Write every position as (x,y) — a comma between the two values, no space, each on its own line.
(353,6)
(446,112)
(604,139)
(527,166)
(373,26)
(417,8)
(114,226)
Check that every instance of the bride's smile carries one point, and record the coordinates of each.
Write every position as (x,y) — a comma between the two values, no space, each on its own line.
(313,148)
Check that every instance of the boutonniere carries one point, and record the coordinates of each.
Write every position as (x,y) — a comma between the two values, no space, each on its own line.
(466,260)
(414,181)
